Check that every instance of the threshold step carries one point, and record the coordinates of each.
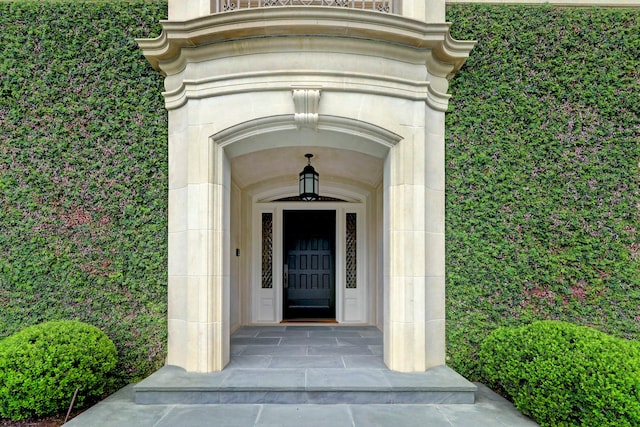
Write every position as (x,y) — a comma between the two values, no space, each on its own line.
(173,385)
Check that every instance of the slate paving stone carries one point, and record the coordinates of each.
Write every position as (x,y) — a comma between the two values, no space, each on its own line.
(357,328)
(469,416)
(440,376)
(279,395)
(282,333)
(260,397)
(255,330)
(254,341)
(490,410)
(173,376)
(210,415)
(399,415)
(376,350)
(293,379)
(307,362)
(245,333)
(363,397)
(370,333)
(112,416)
(364,362)
(308,341)
(304,415)
(252,361)
(334,333)
(359,340)
(237,349)
(319,350)
(120,410)
(290,350)
(354,379)
(308,328)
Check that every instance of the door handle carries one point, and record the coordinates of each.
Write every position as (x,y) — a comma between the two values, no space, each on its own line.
(285,276)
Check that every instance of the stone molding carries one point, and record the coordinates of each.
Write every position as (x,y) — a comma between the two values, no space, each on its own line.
(304,21)
(256,82)
(238,140)
(226,42)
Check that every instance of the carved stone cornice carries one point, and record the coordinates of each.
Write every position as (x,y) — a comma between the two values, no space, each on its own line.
(338,49)
(305,21)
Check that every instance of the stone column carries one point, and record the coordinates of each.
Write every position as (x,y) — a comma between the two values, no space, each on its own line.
(414,334)
(199,192)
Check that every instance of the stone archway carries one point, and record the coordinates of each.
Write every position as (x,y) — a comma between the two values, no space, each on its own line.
(251,77)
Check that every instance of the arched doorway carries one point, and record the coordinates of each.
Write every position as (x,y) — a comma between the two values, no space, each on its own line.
(265,157)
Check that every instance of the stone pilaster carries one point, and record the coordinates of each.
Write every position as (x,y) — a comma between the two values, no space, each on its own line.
(414,247)
(199,191)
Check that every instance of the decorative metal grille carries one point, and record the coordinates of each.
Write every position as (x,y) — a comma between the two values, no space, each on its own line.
(378,5)
(351,265)
(267,250)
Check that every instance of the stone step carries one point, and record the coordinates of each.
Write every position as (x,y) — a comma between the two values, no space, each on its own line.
(173,385)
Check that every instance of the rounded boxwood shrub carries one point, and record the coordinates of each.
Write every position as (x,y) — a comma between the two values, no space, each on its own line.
(562,374)
(42,365)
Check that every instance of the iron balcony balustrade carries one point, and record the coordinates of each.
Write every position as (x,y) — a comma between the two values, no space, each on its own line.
(377,5)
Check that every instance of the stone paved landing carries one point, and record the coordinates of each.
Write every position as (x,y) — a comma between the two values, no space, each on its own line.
(305,365)
(120,410)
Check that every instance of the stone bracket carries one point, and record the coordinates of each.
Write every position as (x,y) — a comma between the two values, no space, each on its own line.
(306,102)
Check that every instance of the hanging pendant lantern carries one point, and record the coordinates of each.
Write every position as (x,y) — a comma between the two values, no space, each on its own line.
(309,181)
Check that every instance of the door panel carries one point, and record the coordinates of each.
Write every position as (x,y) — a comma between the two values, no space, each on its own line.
(309,290)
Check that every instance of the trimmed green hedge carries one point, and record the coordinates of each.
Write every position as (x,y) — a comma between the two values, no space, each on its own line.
(542,176)
(566,375)
(42,365)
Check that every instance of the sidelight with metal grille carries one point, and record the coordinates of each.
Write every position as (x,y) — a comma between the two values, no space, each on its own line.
(267,250)
(351,251)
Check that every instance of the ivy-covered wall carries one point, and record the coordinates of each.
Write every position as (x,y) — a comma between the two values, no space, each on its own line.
(83,174)
(542,173)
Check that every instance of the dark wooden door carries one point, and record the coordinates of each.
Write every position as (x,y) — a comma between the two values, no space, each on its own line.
(309,282)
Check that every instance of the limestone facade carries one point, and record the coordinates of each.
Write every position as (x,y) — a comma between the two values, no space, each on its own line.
(248,93)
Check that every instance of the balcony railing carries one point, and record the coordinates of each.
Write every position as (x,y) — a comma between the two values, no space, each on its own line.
(377,5)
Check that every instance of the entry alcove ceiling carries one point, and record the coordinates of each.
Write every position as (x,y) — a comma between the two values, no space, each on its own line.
(280,165)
